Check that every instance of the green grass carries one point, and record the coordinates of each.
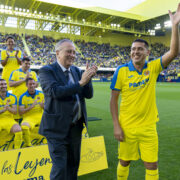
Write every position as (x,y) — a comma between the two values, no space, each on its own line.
(168,102)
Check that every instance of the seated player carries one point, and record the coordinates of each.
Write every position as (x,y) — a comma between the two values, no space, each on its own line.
(8,107)
(31,105)
(18,78)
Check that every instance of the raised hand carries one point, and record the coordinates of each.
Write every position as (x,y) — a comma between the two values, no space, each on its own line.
(175,18)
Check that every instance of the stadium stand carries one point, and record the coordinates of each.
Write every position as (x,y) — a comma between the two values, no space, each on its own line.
(104,55)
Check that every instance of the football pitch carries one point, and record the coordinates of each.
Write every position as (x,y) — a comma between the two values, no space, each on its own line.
(168,102)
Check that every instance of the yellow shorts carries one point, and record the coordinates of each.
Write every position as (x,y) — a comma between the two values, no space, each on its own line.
(32,120)
(7,124)
(138,142)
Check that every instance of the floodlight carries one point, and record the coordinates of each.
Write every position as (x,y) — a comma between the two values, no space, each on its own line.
(158,26)
(167,24)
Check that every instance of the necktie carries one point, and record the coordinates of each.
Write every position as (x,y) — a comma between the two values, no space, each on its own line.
(76,104)
(66,73)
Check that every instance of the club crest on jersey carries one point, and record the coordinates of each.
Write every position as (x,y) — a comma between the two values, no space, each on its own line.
(146,73)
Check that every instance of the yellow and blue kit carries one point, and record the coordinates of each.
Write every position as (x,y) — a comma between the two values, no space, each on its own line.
(18,75)
(12,63)
(138,111)
(33,117)
(6,118)
(138,103)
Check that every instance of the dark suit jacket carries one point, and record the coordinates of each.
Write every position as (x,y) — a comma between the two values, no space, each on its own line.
(60,99)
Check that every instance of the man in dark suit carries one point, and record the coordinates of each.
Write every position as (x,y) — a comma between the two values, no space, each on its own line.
(65,88)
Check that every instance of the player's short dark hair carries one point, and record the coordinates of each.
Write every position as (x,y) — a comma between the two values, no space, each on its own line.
(29,79)
(2,80)
(142,41)
(9,37)
(26,59)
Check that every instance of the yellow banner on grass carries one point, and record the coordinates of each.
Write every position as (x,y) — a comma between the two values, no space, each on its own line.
(34,163)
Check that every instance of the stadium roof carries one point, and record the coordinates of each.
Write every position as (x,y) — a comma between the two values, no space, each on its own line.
(154,8)
(137,20)
(134,9)
(118,5)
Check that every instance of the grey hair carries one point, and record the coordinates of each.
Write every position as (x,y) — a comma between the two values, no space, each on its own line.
(58,44)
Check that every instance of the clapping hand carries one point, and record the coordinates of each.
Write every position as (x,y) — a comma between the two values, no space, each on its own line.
(35,102)
(42,104)
(88,74)
(7,104)
(17,51)
(7,54)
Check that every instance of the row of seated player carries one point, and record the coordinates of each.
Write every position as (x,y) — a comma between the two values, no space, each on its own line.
(30,107)
(16,82)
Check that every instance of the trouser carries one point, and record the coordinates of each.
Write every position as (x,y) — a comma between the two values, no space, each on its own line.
(65,154)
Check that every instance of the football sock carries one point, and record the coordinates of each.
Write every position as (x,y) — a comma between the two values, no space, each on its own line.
(26,135)
(122,172)
(152,174)
(17,140)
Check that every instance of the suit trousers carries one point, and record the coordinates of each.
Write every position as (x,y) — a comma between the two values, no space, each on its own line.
(65,154)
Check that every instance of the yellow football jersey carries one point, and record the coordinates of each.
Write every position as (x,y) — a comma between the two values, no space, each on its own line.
(138,101)
(27,100)
(12,100)
(18,75)
(12,63)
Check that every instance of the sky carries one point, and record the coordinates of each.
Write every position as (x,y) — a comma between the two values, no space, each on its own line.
(119,5)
